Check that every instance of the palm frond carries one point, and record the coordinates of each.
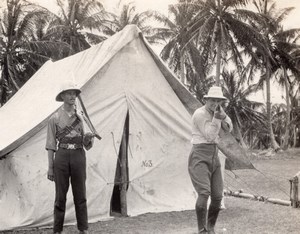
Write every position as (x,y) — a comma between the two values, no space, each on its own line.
(283,13)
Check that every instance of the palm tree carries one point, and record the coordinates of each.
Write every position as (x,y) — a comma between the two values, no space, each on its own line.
(295,113)
(285,80)
(20,54)
(280,47)
(279,121)
(263,138)
(222,32)
(240,109)
(175,52)
(75,22)
(287,48)
(57,49)
(128,15)
(193,67)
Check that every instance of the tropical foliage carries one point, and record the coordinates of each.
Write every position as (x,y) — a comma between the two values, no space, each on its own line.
(76,23)
(21,50)
(205,42)
(221,33)
(280,43)
(127,14)
(242,111)
(188,60)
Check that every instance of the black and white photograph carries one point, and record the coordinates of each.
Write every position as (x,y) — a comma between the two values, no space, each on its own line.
(149,117)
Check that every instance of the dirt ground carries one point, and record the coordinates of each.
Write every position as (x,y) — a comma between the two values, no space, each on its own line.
(271,179)
(241,216)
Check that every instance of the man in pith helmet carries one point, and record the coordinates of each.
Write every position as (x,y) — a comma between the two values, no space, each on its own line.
(204,163)
(66,140)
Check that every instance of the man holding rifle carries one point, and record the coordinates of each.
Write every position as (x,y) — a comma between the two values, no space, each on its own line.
(66,140)
(204,163)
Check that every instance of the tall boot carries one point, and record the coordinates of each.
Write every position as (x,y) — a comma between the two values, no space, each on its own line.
(213,213)
(201,213)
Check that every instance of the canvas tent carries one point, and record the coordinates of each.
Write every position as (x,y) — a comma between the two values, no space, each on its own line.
(124,86)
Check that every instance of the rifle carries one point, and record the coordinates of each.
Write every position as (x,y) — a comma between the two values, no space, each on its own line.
(87,119)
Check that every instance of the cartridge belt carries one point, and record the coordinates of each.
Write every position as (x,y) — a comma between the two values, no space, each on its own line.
(70,146)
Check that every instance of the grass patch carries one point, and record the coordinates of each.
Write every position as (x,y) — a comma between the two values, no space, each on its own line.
(291,153)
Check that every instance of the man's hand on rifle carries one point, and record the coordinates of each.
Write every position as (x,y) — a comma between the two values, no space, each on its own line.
(88,140)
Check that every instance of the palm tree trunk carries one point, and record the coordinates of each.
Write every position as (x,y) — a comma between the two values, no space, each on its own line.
(11,73)
(288,112)
(182,76)
(218,63)
(295,136)
(274,144)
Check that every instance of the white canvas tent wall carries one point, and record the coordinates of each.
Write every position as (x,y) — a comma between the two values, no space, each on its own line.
(117,77)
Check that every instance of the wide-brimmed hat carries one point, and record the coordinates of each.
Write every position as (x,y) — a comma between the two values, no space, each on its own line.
(215,92)
(67,85)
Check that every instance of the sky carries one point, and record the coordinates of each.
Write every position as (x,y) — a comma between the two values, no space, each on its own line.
(292,21)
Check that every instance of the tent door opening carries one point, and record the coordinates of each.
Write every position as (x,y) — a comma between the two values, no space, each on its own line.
(118,200)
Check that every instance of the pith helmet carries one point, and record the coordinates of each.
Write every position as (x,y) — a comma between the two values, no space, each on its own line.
(215,92)
(68,85)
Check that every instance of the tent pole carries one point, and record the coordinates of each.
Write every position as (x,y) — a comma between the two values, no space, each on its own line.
(124,172)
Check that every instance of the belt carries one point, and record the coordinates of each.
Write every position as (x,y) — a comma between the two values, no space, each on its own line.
(70,146)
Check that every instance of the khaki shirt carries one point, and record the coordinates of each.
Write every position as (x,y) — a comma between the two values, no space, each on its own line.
(58,121)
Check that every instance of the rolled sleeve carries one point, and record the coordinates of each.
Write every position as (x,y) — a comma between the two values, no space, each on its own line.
(51,135)
(227,124)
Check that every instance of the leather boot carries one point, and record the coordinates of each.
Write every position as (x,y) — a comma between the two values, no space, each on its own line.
(213,213)
(84,232)
(201,213)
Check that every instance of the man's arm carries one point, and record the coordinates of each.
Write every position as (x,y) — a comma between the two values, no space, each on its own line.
(208,128)
(51,147)
(227,124)
(50,174)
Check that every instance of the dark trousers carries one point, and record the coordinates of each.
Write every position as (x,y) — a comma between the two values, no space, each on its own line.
(70,166)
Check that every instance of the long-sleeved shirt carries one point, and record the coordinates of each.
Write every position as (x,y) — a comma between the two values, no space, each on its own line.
(206,128)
